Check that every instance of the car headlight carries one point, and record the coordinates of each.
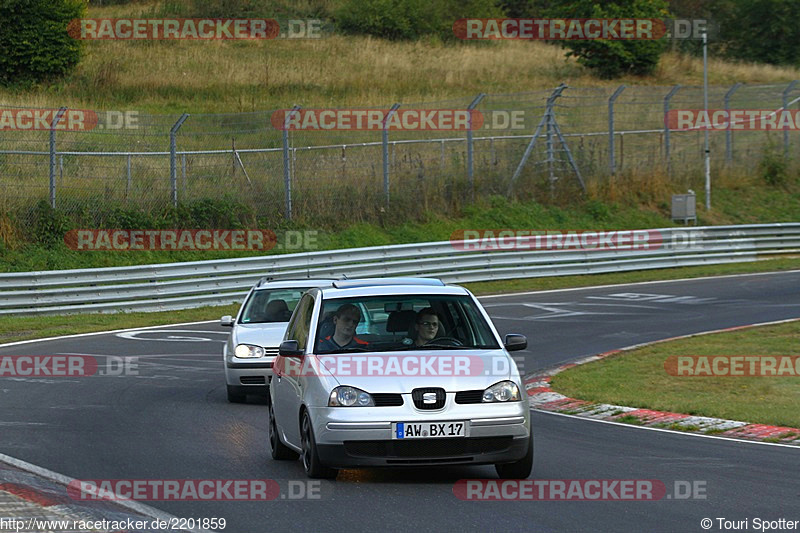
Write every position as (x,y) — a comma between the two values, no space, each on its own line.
(248,351)
(350,397)
(505,391)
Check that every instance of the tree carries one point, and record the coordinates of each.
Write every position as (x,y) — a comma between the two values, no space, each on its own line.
(764,31)
(410,19)
(613,58)
(34,39)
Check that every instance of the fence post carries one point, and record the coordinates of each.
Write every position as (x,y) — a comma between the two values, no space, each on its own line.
(173,164)
(786,92)
(667,100)
(470,147)
(729,129)
(53,125)
(385,140)
(548,119)
(287,173)
(612,165)
(128,177)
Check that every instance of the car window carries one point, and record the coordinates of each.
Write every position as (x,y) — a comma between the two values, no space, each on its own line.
(301,322)
(388,323)
(271,305)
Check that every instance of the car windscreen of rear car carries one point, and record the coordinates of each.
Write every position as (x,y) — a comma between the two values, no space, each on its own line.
(271,305)
(388,323)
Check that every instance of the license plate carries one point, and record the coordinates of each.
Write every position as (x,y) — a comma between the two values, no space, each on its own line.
(428,430)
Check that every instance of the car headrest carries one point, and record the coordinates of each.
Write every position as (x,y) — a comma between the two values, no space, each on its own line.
(278,311)
(400,321)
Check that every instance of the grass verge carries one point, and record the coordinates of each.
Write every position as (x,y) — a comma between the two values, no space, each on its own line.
(22,328)
(36,327)
(639,379)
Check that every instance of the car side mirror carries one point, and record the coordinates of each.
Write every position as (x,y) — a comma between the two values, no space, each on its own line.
(227,321)
(290,349)
(515,341)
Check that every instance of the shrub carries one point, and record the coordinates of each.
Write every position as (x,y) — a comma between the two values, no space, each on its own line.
(774,167)
(611,59)
(34,39)
(49,225)
(409,19)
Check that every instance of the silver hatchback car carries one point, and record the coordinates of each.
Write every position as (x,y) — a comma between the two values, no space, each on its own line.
(256,333)
(393,372)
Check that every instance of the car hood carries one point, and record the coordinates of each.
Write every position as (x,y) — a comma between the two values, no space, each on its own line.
(401,372)
(268,335)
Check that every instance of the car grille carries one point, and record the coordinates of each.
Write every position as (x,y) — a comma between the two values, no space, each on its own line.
(387,400)
(253,380)
(423,449)
(469,396)
(270,352)
(418,396)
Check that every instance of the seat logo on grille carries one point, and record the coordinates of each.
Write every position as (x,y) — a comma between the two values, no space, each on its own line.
(429,397)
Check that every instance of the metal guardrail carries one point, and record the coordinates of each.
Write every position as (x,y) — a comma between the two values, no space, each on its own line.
(162,287)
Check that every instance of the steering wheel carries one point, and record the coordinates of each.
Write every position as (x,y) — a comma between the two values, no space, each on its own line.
(447,341)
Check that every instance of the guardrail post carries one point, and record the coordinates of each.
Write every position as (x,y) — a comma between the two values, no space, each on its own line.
(667,100)
(173,164)
(786,92)
(385,141)
(729,129)
(470,147)
(53,125)
(612,165)
(287,172)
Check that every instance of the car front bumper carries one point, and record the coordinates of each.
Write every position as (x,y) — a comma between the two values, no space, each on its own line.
(356,437)
(248,374)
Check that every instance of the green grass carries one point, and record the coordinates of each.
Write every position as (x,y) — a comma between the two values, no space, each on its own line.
(738,201)
(638,378)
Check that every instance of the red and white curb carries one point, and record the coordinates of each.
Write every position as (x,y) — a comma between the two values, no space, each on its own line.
(34,499)
(543,397)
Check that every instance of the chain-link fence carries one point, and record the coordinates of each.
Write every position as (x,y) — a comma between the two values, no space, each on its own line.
(518,145)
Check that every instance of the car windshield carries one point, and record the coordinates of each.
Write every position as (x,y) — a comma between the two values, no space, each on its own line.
(271,305)
(389,323)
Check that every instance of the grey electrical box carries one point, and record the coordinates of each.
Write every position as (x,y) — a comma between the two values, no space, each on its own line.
(684,208)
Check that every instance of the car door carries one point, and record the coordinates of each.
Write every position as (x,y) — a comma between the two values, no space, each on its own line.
(288,392)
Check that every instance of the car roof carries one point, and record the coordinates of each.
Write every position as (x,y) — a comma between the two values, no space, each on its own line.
(266,283)
(390,287)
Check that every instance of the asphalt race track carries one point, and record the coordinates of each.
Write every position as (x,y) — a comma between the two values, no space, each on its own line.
(172,421)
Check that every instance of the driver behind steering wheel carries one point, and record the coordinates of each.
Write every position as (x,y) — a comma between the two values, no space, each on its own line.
(426,326)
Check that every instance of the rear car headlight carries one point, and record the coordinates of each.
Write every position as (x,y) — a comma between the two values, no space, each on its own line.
(350,397)
(505,391)
(248,351)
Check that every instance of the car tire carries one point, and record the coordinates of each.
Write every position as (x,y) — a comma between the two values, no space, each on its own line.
(235,396)
(518,469)
(311,463)
(279,450)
